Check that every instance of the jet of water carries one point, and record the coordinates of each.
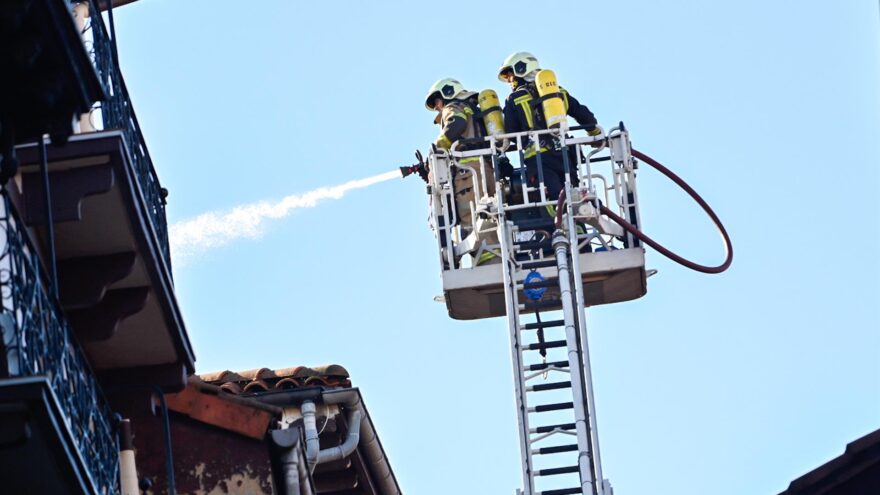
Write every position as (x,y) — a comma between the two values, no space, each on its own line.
(213,229)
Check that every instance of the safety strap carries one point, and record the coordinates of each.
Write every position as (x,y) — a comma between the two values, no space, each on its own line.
(537,101)
(474,110)
(487,111)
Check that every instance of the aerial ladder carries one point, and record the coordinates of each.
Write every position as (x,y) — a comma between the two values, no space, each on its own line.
(539,262)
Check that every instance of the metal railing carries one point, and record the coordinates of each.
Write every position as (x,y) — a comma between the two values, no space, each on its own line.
(589,160)
(117,112)
(38,341)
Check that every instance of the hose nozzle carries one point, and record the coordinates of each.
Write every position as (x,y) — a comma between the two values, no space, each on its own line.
(408,170)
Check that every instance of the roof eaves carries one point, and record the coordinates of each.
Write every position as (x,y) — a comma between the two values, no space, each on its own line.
(376,460)
(859,455)
(205,403)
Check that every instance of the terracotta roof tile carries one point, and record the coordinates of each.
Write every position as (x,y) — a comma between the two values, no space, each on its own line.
(231,387)
(257,386)
(221,376)
(265,379)
(257,374)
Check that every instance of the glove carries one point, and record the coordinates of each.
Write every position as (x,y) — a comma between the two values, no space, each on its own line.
(505,168)
(596,131)
(443,142)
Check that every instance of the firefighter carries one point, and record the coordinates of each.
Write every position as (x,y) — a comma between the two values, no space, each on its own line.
(520,114)
(456,109)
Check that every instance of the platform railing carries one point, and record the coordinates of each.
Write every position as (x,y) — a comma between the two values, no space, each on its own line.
(117,112)
(602,164)
(39,342)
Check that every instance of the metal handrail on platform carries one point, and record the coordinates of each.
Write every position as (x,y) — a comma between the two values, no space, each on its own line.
(603,165)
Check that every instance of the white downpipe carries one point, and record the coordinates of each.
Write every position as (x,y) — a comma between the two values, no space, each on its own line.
(127,470)
(294,466)
(291,468)
(360,434)
(351,440)
(368,442)
(311,427)
(316,456)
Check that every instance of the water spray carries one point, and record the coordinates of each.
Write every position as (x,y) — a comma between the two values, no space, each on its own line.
(214,229)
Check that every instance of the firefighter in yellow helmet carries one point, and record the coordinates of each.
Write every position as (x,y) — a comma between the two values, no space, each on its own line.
(456,108)
(519,70)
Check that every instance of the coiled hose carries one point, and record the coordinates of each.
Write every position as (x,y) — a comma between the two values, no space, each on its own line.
(728,246)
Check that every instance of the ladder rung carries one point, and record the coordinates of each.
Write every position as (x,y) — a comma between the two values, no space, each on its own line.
(550,303)
(545,345)
(543,387)
(549,428)
(555,450)
(544,366)
(552,407)
(555,471)
(544,324)
(528,265)
(561,491)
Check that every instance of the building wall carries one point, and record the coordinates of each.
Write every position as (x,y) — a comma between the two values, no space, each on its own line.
(207,460)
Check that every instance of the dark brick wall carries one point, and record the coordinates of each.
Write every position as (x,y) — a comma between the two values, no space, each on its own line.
(207,460)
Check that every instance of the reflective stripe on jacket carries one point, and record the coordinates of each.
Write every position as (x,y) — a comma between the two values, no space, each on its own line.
(520,115)
(457,122)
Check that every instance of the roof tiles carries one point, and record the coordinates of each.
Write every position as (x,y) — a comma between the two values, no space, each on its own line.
(265,379)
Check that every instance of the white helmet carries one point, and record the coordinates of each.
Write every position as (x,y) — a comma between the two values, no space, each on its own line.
(447,89)
(520,63)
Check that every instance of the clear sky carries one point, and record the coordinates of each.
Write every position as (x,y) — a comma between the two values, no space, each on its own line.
(728,384)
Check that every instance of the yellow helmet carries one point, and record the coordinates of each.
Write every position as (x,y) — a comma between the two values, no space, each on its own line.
(520,63)
(447,89)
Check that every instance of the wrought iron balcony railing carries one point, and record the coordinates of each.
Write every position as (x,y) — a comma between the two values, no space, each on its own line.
(39,342)
(118,113)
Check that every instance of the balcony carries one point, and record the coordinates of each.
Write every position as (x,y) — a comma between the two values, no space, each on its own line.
(55,430)
(47,74)
(110,233)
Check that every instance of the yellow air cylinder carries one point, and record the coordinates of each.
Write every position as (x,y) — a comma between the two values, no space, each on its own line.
(554,108)
(491,108)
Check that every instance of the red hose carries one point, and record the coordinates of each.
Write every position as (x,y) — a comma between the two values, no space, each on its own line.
(728,246)
(559,204)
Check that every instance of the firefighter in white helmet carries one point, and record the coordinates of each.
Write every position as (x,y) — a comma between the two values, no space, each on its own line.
(520,114)
(456,108)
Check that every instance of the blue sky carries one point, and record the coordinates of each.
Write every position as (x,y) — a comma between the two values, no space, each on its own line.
(725,384)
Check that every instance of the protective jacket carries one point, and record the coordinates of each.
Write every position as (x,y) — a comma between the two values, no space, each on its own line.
(457,122)
(520,115)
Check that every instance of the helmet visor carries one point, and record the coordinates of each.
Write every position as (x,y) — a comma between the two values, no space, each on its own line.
(431,100)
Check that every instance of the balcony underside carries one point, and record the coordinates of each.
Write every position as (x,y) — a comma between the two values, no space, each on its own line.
(37,452)
(115,285)
(608,277)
